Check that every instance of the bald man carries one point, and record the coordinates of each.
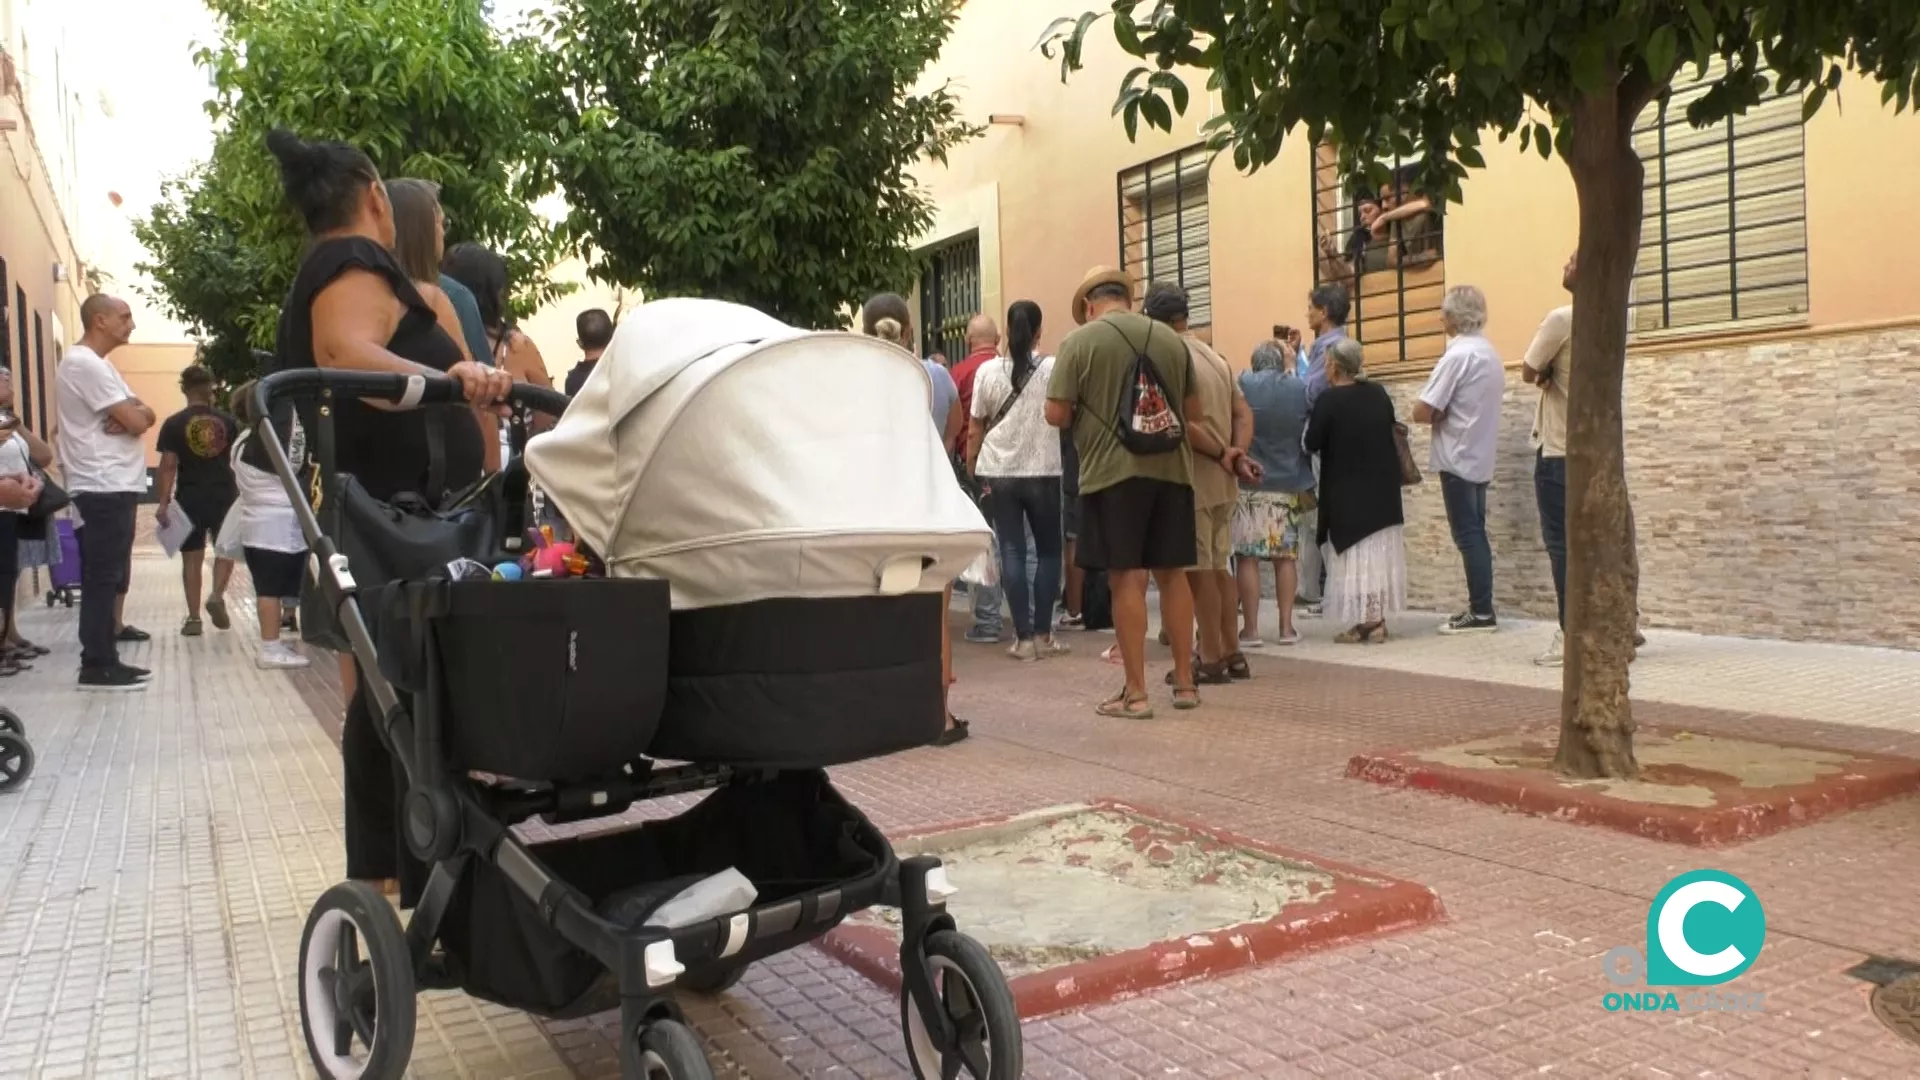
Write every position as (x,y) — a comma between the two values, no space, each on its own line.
(983,344)
(104,463)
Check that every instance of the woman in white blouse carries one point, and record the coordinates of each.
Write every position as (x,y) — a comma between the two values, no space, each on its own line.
(275,549)
(1016,456)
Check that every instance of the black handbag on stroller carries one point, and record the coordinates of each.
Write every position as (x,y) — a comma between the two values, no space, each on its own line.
(561,686)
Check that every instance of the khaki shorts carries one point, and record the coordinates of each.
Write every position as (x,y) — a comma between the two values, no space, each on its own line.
(1213,538)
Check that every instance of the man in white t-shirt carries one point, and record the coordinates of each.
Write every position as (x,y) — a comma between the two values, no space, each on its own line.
(104,463)
(1462,403)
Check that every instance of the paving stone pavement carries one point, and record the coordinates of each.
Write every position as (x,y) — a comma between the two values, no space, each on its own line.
(155,874)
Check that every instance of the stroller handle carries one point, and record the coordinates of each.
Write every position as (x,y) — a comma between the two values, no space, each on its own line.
(406,390)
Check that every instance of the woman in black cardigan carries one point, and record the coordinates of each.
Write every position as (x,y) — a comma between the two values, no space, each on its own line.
(1360,517)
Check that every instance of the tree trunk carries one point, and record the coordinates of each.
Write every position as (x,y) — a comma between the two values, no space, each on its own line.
(1603,573)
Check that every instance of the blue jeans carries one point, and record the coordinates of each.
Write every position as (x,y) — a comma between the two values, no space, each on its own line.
(1550,491)
(1028,508)
(1467,515)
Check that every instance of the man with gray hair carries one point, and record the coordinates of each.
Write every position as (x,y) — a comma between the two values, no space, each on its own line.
(1462,403)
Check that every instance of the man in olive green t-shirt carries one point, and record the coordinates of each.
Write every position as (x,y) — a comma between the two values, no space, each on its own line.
(1136,510)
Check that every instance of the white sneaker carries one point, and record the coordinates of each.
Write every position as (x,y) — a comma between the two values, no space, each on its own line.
(279,656)
(1555,654)
(1025,651)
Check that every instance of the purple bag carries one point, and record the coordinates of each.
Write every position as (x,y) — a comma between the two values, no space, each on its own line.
(66,574)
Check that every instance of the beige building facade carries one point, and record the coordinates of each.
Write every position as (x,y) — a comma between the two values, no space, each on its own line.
(1772,377)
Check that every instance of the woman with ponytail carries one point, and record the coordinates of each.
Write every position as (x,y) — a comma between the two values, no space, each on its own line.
(888,318)
(1016,457)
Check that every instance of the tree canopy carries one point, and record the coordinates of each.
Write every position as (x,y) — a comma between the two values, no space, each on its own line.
(425,87)
(750,150)
(1424,79)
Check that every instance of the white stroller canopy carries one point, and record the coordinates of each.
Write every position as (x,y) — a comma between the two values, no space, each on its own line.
(741,459)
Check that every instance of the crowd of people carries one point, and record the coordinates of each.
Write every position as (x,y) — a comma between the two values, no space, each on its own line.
(1298,465)
(1133,454)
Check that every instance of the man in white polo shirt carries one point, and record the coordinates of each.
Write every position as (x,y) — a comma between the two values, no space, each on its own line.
(105,467)
(1462,402)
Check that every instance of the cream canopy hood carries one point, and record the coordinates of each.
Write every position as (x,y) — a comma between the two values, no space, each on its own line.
(741,459)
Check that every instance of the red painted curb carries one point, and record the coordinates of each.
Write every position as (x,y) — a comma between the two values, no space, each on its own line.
(1753,813)
(1361,904)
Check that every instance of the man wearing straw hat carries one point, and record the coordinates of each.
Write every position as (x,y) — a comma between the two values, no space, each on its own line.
(1136,509)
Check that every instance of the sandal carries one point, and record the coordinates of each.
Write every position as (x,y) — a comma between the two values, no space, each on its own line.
(1186,697)
(957,730)
(28,648)
(1122,707)
(1353,635)
(1238,668)
(1205,674)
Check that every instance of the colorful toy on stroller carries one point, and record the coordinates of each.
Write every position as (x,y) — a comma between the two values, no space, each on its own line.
(776,517)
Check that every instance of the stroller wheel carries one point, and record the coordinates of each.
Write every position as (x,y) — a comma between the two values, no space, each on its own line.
(715,981)
(10,721)
(669,1050)
(16,760)
(976,999)
(356,986)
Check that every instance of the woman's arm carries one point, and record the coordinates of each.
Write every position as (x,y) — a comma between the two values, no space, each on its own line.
(525,364)
(38,451)
(1315,438)
(445,315)
(353,319)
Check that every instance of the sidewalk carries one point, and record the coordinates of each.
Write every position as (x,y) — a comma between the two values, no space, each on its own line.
(155,874)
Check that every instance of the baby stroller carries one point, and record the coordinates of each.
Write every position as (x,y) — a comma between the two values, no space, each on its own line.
(16,753)
(740,644)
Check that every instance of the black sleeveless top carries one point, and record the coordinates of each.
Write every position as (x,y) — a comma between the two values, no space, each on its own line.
(386,450)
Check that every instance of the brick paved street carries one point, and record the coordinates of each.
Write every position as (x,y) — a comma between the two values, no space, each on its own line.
(155,874)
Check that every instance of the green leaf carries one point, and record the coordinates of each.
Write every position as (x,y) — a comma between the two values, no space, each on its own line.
(1173,85)
(1130,118)
(1154,107)
(1702,19)
(1526,137)
(1470,157)
(1662,47)
(1590,64)
(1543,141)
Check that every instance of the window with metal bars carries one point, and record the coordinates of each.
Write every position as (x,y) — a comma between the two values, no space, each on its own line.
(1724,238)
(1164,224)
(1395,280)
(949,296)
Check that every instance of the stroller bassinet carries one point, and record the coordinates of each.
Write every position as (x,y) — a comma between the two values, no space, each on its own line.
(792,491)
(570,687)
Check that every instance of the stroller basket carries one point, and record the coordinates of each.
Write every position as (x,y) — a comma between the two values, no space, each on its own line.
(794,837)
(542,680)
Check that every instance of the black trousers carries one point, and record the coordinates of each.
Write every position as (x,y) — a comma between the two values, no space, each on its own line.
(376,786)
(106,569)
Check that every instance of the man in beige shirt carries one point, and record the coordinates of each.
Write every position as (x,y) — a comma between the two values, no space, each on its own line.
(1219,437)
(1548,364)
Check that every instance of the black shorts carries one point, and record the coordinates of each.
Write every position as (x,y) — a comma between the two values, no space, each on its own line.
(207,513)
(1137,524)
(276,573)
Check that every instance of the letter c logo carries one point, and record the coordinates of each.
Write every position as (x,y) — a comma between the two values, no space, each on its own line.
(1673,928)
(1705,928)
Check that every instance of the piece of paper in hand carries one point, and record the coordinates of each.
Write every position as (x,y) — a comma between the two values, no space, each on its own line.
(174,532)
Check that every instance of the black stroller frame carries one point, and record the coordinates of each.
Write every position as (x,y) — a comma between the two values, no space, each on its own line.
(957,1011)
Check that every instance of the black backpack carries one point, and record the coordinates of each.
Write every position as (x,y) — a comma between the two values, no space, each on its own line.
(1144,419)
(1096,601)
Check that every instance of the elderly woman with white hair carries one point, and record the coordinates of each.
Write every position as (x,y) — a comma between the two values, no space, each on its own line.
(1266,523)
(1462,403)
(1361,520)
